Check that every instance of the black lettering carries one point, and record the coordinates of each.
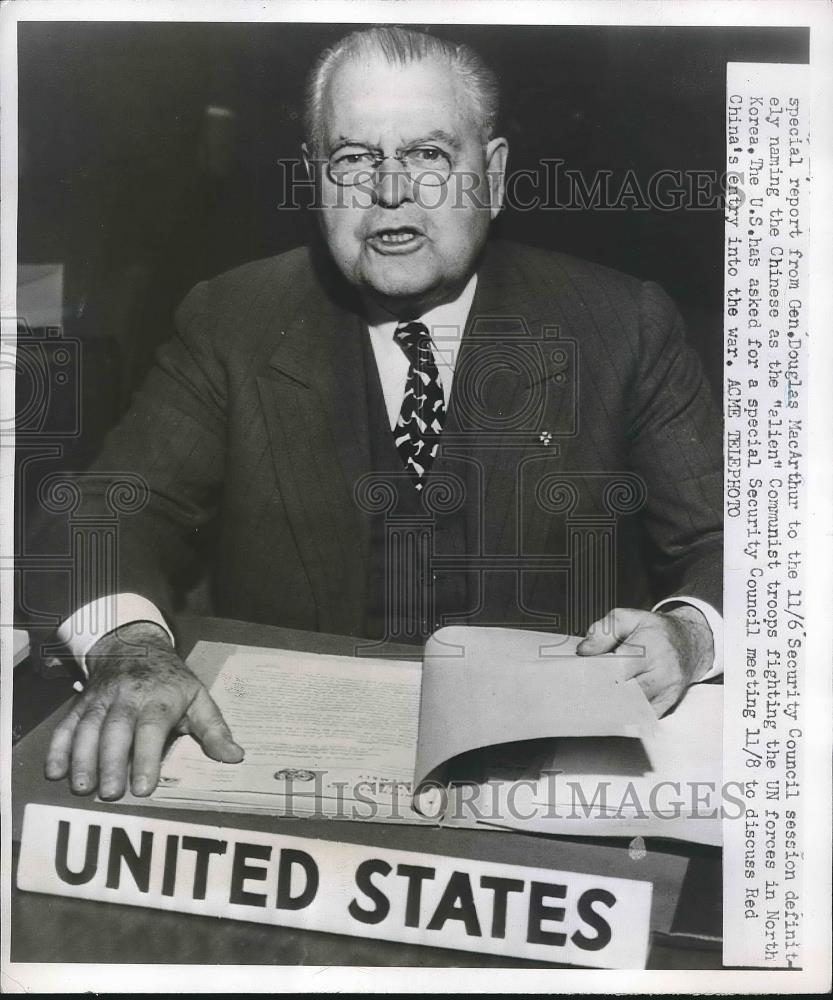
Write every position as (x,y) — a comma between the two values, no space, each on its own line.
(457,903)
(539,911)
(595,920)
(285,900)
(90,855)
(121,849)
(203,847)
(169,869)
(240,871)
(501,887)
(415,874)
(381,901)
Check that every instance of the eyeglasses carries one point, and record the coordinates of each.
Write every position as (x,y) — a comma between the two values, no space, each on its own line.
(351,165)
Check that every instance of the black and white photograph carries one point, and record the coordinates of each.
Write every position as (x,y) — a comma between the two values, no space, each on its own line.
(416,505)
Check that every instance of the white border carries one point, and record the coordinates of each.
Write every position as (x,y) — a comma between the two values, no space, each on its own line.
(819,668)
(741,13)
(817,926)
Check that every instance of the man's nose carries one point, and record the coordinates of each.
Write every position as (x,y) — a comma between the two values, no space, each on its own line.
(393,184)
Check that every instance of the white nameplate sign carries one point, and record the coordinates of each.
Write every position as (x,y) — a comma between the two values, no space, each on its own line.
(370,892)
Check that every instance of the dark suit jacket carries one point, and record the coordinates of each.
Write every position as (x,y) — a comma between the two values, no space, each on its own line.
(581,431)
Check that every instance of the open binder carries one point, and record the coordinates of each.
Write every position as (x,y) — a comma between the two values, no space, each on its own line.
(497,728)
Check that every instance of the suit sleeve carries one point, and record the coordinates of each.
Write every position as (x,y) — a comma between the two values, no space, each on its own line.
(150,493)
(676,445)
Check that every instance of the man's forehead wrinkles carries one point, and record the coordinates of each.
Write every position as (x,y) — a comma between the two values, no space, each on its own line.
(380,90)
(440,135)
(405,140)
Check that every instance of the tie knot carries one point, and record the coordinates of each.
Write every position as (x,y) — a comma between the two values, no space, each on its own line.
(413,338)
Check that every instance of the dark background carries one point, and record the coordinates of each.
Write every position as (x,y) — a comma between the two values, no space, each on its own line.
(129,182)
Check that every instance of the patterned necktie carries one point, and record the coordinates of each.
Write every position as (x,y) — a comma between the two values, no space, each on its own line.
(417,431)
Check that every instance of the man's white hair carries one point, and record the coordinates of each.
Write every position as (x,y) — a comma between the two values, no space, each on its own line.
(402,46)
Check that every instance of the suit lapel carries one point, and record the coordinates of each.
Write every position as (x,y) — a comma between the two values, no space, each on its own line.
(314,403)
(512,384)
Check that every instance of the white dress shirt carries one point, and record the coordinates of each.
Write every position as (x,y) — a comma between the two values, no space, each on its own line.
(446,324)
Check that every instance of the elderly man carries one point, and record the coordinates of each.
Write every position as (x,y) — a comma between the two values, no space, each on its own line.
(407,372)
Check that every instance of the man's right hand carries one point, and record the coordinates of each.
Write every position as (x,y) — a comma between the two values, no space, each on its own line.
(137,693)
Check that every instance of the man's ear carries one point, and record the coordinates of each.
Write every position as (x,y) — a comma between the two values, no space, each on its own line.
(497,151)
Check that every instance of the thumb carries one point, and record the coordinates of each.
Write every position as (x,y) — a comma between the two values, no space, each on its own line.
(604,635)
(207,725)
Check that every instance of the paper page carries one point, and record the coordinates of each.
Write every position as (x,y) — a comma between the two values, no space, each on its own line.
(686,745)
(668,784)
(485,686)
(322,733)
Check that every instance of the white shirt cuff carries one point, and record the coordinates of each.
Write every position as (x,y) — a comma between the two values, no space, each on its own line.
(715,622)
(82,630)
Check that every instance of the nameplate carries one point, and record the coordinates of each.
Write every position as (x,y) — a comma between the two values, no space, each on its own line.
(340,888)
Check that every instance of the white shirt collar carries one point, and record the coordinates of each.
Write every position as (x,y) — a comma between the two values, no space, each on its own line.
(446,324)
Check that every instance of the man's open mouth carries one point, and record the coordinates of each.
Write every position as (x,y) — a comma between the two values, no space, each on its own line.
(396,238)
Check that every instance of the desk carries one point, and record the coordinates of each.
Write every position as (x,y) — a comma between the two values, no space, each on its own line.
(687,878)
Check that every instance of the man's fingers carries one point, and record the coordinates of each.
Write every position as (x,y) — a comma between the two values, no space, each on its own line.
(664,700)
(151,734)
(115,742)
(60,746)
(604,635)
(636,660)
(207,725)
(660,689)
(130,704)
(84,768)
(651,683)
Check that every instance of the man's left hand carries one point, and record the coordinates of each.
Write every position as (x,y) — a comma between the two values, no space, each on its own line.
(667,651)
